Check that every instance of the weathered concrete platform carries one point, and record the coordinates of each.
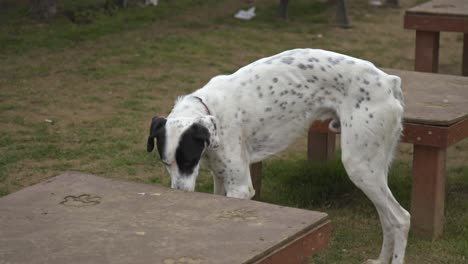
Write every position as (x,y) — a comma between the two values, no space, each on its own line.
(80,218)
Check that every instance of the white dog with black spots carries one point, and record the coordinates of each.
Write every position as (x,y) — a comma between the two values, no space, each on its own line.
(244,117)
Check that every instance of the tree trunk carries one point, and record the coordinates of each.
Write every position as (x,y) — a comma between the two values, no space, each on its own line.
(43,9)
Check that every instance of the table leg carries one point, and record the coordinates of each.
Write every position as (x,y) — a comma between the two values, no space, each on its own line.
(283,9)
(256,175)
(427,51)
(428,191)
(465,55)
(320,145)
(342,19)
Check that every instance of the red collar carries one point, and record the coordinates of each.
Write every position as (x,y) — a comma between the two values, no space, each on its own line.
(206,107)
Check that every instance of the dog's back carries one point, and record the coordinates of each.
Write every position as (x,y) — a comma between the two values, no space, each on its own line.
(274,99)
(258,110)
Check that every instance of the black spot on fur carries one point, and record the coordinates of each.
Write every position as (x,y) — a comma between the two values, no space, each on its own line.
(287,60)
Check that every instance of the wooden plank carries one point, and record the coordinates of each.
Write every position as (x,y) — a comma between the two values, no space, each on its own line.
(426,57)
(298,250)
(442,8)
(465,55)
(430,99)
(457,132)
(436,23)
(433,99)
(417,134)
(424,135)
(81,218)
(428,191)
(320,145)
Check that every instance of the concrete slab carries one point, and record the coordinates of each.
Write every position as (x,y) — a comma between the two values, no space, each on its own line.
(81,218)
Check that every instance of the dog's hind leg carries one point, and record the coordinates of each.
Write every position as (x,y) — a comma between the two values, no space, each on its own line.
(366,154)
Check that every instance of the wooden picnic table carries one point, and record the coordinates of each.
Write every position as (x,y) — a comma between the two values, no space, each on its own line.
(431,18)
(81,218)
(436,117)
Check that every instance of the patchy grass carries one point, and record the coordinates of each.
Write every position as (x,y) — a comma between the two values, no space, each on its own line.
(355,224)
(100,81)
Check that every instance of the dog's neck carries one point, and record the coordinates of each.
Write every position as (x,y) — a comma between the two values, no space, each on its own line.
(206,107)
(190,106)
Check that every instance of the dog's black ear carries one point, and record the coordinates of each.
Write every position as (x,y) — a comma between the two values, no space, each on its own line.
(157,126)
(201,133)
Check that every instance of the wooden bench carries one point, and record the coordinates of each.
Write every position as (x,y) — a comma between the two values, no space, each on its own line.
(80,218)
(431,18)
(436,117)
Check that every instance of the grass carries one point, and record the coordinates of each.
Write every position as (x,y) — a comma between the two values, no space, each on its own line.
(355,225)
(101,78)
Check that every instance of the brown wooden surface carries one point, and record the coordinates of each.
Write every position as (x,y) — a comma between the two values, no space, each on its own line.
(430,99)
(436,23)
(321,146)
(428,191)
(426,57)
(465,55)
(441,7)
(437,16)
(298,250)
(433,99)
(125,222)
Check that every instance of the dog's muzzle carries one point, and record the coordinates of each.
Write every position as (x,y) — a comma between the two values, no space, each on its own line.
(183,182)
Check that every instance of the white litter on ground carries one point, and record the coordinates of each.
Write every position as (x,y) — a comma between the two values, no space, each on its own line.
(246,14)
(375,3)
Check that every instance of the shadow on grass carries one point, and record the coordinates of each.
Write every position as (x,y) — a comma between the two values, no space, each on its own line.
(306,184)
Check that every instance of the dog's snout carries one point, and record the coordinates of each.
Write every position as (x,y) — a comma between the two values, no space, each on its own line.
(183,185)
(183,188)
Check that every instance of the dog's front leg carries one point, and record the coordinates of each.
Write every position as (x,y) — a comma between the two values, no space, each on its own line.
(238,183)
(218,184)
(231,174)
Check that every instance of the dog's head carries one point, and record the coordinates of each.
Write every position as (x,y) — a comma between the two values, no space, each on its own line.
(181,143)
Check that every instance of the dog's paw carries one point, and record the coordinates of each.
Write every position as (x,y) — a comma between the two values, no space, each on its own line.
(241,192)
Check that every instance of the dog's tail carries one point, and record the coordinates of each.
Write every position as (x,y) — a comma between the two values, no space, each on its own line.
(396,89)
(335,125)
